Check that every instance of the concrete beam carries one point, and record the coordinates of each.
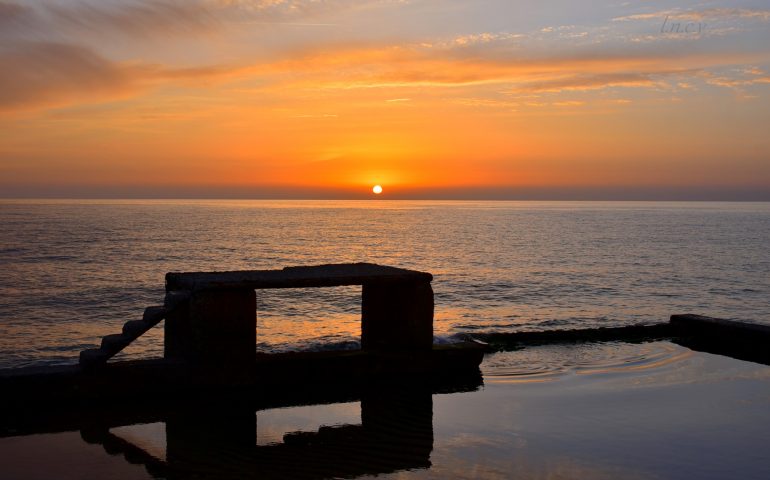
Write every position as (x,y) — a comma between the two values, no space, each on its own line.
(295,277)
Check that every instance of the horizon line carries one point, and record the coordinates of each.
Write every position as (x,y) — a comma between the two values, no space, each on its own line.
(400,199)
(703,193)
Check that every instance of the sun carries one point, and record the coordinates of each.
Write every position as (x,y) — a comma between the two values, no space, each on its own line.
(377,189)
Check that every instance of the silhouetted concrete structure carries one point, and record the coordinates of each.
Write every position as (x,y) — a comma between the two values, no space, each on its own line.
(216,328)
(741,340)
(213,319)
(211,345)
(210,342)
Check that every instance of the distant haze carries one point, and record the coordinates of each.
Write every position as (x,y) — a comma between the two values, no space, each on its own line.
(701,193)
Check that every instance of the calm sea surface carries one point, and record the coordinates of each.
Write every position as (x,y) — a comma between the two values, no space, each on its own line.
(73,271)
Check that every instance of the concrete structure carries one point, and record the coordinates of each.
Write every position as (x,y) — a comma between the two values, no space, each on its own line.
(210,343)
(211,317)
(213,321)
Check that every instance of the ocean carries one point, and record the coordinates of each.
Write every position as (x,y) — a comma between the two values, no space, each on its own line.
(76,270)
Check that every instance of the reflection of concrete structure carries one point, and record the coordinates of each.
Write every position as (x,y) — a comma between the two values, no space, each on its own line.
(396,433)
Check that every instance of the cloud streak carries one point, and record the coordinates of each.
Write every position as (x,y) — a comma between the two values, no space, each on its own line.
(147,18)
(62,71)
(48,74)
(45,74)
(701,15)
(421,66)
(136,18)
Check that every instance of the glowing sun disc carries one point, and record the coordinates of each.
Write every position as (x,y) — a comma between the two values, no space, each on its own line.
(377,189)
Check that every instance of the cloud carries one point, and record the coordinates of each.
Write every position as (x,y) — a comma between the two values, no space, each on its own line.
(700,15)
(146,18)
(133,18)
(419,66)
(60,71)
(482,38)
(738,82)
(737,79)
(12,12)
(48,74)
(278,10)
(45,73)
(583,82)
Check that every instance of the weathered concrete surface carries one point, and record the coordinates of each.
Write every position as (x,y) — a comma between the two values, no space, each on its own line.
(630,333)
(721,326)
(295,277)
(397,316)
(396,311)
(741,340)
(216,329)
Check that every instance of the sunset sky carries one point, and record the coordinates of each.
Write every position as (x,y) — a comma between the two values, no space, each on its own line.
(429,98)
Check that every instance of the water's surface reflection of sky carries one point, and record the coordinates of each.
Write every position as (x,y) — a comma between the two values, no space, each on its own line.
(616,410)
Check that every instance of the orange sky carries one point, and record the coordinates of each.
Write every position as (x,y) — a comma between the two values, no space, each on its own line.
(298,98)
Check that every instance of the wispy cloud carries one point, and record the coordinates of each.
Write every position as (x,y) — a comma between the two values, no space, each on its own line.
(143,18)
(136,18)
(700,14)
(51,55)
(289,10)
(61,69)
(587,81)
(50,74)
(47,74)
(739,79)
(417,66)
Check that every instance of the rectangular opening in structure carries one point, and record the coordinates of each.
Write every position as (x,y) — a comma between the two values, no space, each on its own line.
(308,319)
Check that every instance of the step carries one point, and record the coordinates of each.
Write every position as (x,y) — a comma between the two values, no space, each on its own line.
(135,328)
(93,356)
(115,342)
(153,315)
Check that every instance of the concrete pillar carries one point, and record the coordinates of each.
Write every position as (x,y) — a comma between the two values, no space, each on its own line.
(177,341)
(214,328)
(397,316)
